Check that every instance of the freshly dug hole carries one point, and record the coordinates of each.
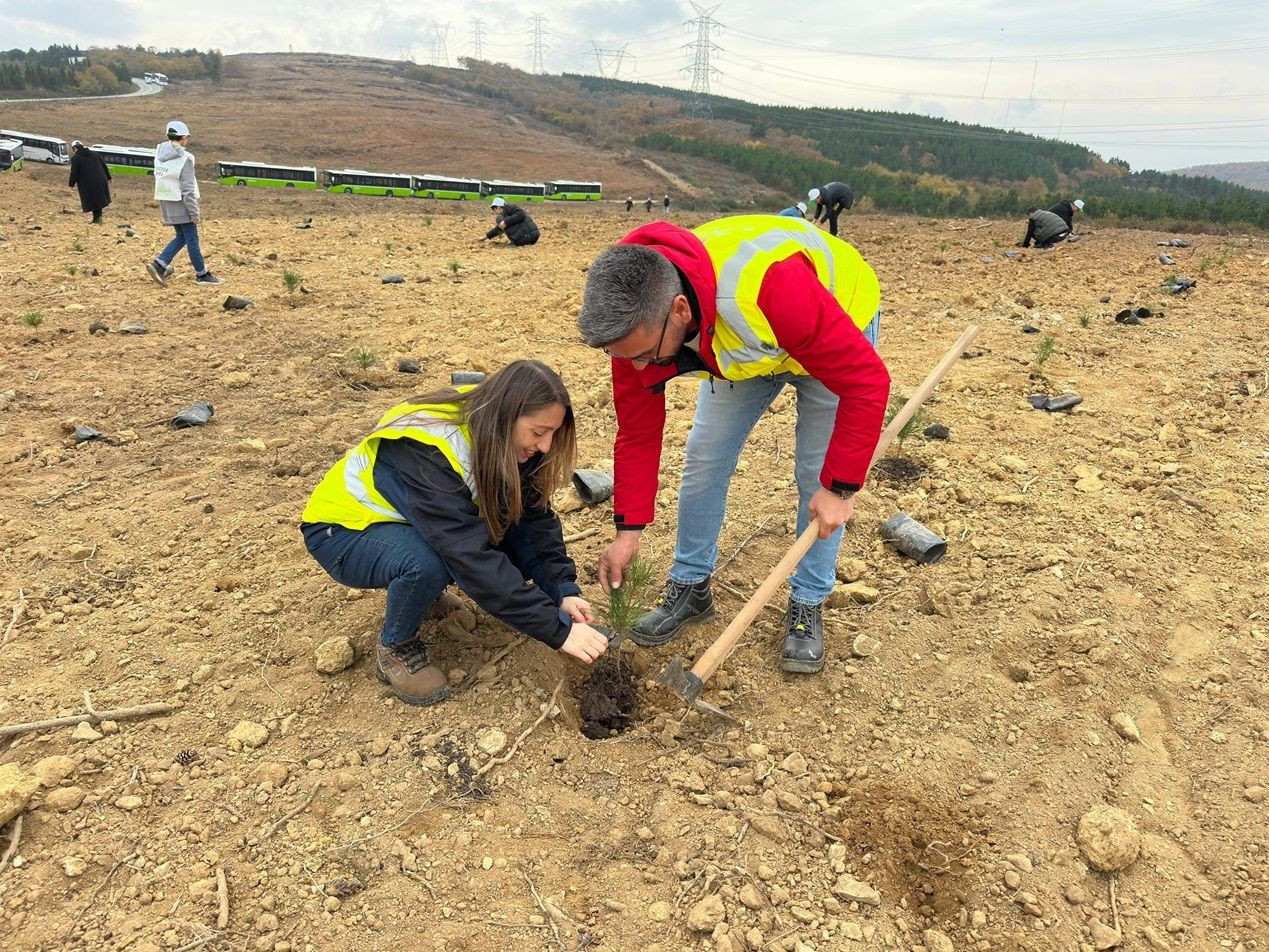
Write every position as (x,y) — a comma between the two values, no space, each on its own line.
(608,698)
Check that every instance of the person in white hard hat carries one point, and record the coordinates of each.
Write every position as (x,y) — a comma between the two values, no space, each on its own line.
(514,222)
(794,211)
(176,189)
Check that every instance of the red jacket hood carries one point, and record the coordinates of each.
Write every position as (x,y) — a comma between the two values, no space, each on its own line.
(688,254)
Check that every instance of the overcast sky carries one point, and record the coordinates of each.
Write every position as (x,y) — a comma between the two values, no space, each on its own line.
(1161,83)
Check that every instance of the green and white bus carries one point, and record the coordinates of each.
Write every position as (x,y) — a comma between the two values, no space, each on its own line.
(574,191)
(514,191)
(10,155)
(445,186)
(268,176)
(360,182)
(126,160)
(40,148)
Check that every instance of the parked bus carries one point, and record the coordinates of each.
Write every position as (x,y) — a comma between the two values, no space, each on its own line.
(522,191)
(444,186)
(10,155)
(158,79)
(268,176)
(40,148)
(126,160)
(361,182)
(574,191)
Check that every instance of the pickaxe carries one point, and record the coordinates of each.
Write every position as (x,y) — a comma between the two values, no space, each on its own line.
(688,684)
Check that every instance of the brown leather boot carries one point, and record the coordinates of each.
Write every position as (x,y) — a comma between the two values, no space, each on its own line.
(406,670)
(447,604)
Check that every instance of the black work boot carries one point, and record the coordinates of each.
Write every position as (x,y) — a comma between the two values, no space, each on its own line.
(804,639)
(680,606)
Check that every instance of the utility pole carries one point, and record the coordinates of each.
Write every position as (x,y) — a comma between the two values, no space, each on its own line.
(537,24)
(478,38)
(440,51)
(606,59)
(701,71)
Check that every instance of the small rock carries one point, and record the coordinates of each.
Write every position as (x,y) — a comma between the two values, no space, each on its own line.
(73,866)
(236,303)
(1020,672)
(851,570)
(85,733)
(196,414)
(97,327)
(251,447)
(129,803)
(865,646)
(1030,329)
(1104,937)
(65,798)
(334,655)
(492,741)
(659,911)
(1075,895)
(248,735)
(53,770)
(236,380)
(852,593)
(936,941)
(851,889)
(794,764)
(1020,861)
(132,327)
(751,897)
(706,914)
(1108,838)
(1125,726)
(16,789)
(1104,299)
(394,279)
(1175,926)
(1252,794)
(1155,940)
(408,365)
(936,431)
(1166,258)
(85,434)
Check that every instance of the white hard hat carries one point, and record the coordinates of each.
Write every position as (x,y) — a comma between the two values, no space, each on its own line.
(813,194)
(498,202)
(802,207)
(177,128)
(1078,204)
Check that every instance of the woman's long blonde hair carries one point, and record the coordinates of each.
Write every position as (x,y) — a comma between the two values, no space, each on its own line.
(491,410)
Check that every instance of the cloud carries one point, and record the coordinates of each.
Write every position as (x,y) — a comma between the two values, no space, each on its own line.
(86,22)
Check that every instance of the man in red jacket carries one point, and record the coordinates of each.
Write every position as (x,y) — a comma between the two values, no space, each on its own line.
(751,304)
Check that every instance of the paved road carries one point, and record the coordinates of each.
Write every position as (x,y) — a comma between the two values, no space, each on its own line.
(143,89)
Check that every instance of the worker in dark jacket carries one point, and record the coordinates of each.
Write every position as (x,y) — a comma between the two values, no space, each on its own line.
(1045,227)
(455,486)
(830,201)
(514,222)
(1067,210)
(89,173)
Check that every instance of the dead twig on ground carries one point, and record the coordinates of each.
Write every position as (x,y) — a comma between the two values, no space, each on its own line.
(511,752)
(199,942)
(222,896)
(62,495)
(796,819)
(550,919)
(265,664)
(740,548)
(421,881)
(391,829)
(91,717)
(13,843)
(292,813)
(77,920)
(17,615)
(583,534)
(1114,905)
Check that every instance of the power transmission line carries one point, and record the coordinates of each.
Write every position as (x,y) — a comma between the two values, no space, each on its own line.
(440,49)
(700,49)
(537,27)
(478,38)
(609,61)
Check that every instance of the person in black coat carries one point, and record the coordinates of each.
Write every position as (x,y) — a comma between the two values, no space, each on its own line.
(1067,210)
(629,203)
(830,201)
(514,222)
(88,172)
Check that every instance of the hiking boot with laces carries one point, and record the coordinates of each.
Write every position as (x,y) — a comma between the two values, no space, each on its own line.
(804,639)
(405,668)
(682,604)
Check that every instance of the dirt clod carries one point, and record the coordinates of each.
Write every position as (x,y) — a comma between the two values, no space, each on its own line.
(608,699)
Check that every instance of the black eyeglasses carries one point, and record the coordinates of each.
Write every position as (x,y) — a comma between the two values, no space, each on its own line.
(650,356)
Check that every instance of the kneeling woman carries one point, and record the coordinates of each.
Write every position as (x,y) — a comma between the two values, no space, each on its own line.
(455,486)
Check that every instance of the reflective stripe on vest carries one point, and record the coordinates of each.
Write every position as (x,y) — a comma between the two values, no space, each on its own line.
(347,495)
(742,249)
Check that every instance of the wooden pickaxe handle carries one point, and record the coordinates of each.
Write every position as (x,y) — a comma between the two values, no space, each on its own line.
(717,653)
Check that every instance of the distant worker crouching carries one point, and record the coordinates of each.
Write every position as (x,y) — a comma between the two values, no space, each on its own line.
(514,222)
(830,201)
(1045,228)
(89,173)
(1067,210)
(794,211)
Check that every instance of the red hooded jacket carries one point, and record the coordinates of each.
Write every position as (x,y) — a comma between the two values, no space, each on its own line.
(808,322)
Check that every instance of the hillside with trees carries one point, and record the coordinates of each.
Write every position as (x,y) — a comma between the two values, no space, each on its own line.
(1247,174)
(894,161)
(71,71)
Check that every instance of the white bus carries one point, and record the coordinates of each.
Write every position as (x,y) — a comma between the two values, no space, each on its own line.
(158,79)
(40,148)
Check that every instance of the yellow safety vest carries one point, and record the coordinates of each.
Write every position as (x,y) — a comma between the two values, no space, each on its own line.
(741,250)
(347,495)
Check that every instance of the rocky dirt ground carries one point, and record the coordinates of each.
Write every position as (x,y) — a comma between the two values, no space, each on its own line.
(1095,635)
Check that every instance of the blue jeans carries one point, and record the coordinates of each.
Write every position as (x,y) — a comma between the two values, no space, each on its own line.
(395,556)
(186,237)
(726,412)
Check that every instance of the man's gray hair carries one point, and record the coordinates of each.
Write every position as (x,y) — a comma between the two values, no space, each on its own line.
(628,286)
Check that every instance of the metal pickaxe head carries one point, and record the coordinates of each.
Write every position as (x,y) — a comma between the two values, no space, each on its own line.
(683,682)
